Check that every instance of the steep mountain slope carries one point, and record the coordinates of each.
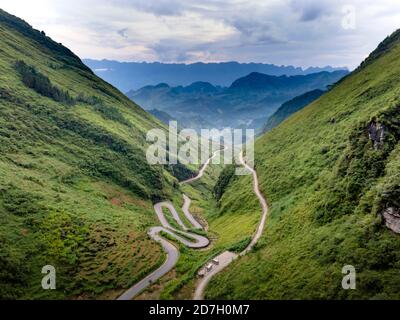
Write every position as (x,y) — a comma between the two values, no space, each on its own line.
(329,187)
(134,75)
(246,100)
(290,107)
(76,190)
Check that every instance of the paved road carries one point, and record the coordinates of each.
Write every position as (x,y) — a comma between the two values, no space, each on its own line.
(204,167)
(183,236)
(198,241)
(263,203)
(172,257)
(160,214)
(227,257)
(224,259)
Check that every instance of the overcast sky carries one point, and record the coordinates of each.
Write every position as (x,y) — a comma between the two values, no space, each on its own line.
(285,32)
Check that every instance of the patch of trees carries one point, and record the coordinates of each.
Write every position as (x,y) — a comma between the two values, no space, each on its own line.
(241,245)
(106,111)
(14,272)
(92,100)
(111,113)
(19,202)
(180,171)
(226,176)
(35,80)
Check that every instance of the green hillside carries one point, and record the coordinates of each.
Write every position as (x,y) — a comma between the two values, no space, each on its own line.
(290,107)
(76,191)
(327,186)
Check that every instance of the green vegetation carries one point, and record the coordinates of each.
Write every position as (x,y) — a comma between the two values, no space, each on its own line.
(227,175)
(111,113)
(76,190)
(228,229)
(326,185)
(290,107)
(240,246)
(41,84)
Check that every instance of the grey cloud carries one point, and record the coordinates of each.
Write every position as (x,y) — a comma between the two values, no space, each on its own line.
(158,8)
(171,50)
(302,32)
(256,31)
(249,26)
(122,32)
(175,7)
(310,10)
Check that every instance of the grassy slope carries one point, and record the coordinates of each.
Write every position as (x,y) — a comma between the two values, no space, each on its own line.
(326,186)
(290,107)
(75,188)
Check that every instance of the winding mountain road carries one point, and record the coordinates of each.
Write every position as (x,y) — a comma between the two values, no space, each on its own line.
(228,257)
(196,242)
(192,240)
(263,203)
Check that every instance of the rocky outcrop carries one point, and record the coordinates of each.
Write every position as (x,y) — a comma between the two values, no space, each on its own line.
(376,132)
(391,217)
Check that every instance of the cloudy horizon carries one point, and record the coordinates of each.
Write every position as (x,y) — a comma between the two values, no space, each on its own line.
(301,33)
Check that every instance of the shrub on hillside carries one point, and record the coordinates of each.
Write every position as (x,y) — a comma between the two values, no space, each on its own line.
(41,84)
(20,202)
(14,272)
(240,246)
(226,176)
(180,171)
(111,113)
(92,100)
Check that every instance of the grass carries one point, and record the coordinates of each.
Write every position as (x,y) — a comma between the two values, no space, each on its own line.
(76,191)
(326,186)
(228,229)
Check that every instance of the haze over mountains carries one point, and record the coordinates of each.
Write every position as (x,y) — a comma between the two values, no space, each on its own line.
(135,75)
(247,103)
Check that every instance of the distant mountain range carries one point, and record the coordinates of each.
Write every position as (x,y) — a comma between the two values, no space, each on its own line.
(247,103)
(134,75)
